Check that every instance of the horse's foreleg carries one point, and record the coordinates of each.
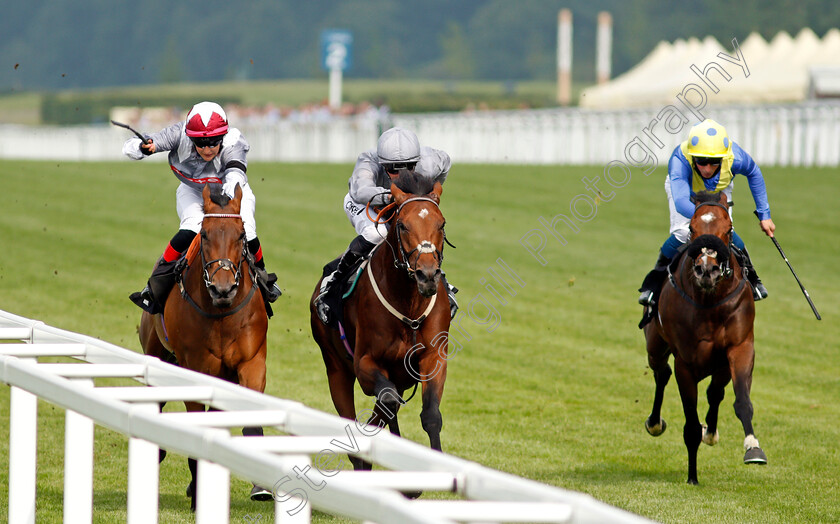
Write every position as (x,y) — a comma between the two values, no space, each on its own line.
(251,374)
(388,402)
(692,431)
(741,361)
(658,354)
(433,367)
(714,394)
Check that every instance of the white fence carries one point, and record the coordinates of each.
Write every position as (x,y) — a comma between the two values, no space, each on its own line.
(804,134)
(283,462)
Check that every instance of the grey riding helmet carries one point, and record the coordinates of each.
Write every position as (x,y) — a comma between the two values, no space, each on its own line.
(398,145)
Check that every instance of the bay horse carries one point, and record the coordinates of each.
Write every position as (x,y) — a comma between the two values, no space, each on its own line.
(396,321)
(211,321)
(705,319)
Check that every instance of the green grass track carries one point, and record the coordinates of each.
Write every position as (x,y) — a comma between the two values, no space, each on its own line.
(553,386)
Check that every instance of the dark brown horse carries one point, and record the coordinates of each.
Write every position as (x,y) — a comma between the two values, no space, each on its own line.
(705,320)
(212,320)
(397,320)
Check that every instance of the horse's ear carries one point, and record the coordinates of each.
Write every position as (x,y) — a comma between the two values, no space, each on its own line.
(436,192)
(206,194)
(236,201)
(399,195)
(723,199)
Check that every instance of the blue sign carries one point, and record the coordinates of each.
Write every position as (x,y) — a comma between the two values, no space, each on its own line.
(336,49)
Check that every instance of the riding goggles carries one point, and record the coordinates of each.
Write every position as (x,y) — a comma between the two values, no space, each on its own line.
(393,169)
(207,141)
(705,161)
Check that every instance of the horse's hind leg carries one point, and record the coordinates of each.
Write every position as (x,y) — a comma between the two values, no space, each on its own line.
(714,394)
(741,366)
(658,353)
(341,381)
(152,346)
(692,431)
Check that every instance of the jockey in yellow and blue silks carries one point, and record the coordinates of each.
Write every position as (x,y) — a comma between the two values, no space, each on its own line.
(707,161)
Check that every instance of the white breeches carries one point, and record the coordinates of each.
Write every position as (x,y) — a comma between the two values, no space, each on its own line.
(190,205)
(364,226)
(679,223)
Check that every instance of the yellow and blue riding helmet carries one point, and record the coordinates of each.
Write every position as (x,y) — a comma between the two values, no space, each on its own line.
(709,139)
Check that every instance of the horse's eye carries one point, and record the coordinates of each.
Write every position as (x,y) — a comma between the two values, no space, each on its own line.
(204,234)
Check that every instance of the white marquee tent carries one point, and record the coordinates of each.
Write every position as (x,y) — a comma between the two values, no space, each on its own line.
(779,71)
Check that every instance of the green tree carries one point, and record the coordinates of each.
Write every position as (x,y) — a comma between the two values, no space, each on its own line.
(457,59)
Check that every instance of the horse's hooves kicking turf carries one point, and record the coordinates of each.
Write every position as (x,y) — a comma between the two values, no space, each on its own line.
(755,456)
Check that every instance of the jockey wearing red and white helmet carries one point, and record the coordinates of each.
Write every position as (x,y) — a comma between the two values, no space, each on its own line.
(397,149)
(203,149)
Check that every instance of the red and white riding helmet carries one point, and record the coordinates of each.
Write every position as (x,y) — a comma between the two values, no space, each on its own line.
(206,119)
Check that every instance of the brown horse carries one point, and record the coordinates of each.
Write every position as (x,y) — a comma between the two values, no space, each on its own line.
(705,320)
(396,321)
(212,321)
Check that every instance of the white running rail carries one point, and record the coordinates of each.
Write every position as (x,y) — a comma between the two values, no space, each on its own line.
(282,462)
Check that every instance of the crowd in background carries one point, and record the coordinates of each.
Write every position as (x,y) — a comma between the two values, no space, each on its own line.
(242,116)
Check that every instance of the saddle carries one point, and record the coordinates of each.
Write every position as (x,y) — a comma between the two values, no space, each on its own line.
(341,291)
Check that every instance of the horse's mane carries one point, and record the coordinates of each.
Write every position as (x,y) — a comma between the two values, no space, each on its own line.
(704,197)
(217,196)
(411,182)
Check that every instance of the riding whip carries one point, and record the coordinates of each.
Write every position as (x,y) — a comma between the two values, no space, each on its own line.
(126,126)
(804,291)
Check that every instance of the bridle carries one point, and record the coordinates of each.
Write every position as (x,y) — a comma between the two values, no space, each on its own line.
(726,269)
(224,264)
(402,261)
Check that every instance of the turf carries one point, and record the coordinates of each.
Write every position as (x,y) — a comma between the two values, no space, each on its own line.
(553,385)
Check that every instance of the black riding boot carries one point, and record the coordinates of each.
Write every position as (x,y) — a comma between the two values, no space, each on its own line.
(153,296)
(450,291)
(267,282)
(743,256)
(328,300)
(653,281)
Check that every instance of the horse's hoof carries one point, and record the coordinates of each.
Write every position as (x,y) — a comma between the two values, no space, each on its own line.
(191,490)
(656,430)
(412,494)
(692,482)
(261,494)
(755,456)
(710,438)
(161,455)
